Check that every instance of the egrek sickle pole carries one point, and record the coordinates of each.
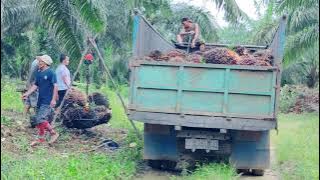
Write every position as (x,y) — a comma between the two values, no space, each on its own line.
(114,85)
(72,80)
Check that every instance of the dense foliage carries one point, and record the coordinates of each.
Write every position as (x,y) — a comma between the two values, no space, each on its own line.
(54,27)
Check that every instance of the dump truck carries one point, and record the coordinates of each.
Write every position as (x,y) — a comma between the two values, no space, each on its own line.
(204,111)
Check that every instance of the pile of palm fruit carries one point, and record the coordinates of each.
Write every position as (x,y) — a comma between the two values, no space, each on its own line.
(217,55)
(76,113)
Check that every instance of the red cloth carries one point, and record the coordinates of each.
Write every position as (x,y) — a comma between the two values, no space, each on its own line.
(42,128)
(88,57)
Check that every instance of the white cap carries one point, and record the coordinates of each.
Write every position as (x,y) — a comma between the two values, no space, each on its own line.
(45,58)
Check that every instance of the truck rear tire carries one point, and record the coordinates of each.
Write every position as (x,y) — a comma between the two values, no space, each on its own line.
(168,165)
(243,171)
(258,172)
(162,164)
(155,164)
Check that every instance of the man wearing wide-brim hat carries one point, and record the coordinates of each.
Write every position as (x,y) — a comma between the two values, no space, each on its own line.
(46,83)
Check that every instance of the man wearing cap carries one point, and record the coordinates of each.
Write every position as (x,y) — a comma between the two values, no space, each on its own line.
(190,33)
(46,83)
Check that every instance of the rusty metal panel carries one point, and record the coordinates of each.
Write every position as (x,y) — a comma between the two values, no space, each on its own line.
(157,129)
(247,136)
(203,121)
(202,134)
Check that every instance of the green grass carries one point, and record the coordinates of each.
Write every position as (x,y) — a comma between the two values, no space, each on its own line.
(297,146)
(39,163)
(42,165)
(212,171)
(6,121)
(297,150)
(10,98)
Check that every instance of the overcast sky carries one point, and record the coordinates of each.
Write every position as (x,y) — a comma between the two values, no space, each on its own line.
(245,5)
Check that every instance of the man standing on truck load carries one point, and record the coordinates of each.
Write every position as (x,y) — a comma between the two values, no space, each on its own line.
(46,83)
(190,33)
(63,77)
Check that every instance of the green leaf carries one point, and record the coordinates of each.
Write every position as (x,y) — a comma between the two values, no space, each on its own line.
(57,15)
(233,13)
(90,14)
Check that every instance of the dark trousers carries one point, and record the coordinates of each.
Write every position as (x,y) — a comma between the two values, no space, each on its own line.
(61,95)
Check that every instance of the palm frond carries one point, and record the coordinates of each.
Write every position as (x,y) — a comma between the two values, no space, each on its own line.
(265,28)
(117,17)
(233,13)
(59,21)
(264,34)
(301,17)
(13,13)
(208,25)
(285,5)
(90,14)
(305,70)
(299,42)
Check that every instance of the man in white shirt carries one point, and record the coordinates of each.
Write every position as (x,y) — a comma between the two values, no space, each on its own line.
(63,77)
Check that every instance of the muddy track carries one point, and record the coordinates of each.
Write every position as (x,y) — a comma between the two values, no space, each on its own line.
(148,173)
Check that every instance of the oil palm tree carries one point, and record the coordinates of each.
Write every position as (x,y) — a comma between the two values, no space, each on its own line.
(15,14)
(208,25)
(302,26)
(306,70)
(232,12)
(71,21)
(68,20)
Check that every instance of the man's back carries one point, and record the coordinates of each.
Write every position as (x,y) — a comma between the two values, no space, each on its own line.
(62,71)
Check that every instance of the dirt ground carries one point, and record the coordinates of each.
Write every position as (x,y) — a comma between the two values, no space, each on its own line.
(270,174)
(72,140)
(16,136)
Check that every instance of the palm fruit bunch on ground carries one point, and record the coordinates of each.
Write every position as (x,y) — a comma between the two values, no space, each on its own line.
(98,99)
(74,115)
(75,98)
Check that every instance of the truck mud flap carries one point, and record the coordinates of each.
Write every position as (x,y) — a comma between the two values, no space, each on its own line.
(160,142)
(250,149)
